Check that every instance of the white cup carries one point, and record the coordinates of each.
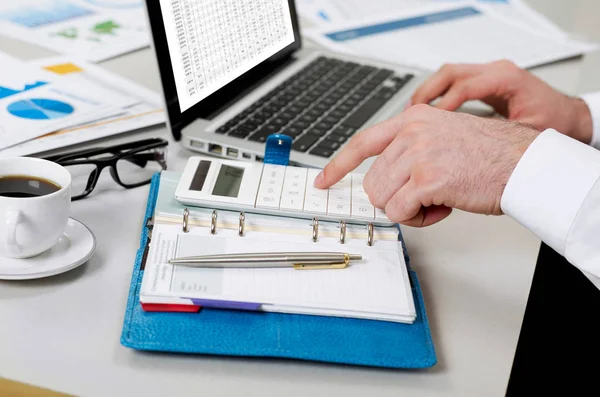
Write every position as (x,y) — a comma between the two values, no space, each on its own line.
(32,225)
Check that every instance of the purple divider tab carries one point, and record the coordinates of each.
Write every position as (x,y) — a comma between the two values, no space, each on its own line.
(217,304)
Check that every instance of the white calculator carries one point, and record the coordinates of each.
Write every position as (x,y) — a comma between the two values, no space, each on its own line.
(274,190)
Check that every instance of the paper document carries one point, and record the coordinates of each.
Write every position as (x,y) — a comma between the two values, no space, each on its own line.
(33,102)
(92,29)
(324,12)
(145,109)
(376,288)
(430,36)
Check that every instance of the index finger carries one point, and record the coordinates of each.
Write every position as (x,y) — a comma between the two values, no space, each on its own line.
(365,144)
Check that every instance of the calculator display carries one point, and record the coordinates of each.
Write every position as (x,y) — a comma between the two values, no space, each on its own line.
(228,181)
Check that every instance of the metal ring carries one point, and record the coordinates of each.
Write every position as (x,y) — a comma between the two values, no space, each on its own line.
(242,224)
(342,232)
(186,218)
(369,234)
(315,225)
(213,223)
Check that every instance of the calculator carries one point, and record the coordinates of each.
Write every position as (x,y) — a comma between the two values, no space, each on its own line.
(274,190)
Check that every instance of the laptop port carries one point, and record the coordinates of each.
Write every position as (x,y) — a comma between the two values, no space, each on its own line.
(197,145)
(259,158)
(246,156)
(231,152)
(215,149)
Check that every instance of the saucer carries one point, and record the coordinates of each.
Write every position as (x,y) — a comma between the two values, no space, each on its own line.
(75,247)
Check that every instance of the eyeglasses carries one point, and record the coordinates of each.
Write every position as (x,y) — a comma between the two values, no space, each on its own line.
(131,165)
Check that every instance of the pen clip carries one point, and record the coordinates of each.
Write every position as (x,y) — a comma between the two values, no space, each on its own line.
(321,266)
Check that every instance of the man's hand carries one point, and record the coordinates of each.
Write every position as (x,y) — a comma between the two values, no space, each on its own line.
(431,161)
(514,93)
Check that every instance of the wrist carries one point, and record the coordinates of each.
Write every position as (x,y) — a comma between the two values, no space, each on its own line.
(581,121)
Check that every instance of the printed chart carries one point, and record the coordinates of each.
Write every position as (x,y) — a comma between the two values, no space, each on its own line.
(91,29)
(8,91)
(40,109)
(36,102)
(145,109)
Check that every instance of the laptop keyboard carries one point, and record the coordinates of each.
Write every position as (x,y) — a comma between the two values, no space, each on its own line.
(320,107)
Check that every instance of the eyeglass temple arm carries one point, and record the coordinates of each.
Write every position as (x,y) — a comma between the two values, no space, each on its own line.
(152,143)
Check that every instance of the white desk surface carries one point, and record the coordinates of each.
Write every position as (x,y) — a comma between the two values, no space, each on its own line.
(63,332)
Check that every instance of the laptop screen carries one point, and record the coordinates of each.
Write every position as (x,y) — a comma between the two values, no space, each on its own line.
(211,43)
(212,53)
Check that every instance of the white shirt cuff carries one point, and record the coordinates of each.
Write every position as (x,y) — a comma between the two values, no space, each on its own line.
(549,185)
(593,102)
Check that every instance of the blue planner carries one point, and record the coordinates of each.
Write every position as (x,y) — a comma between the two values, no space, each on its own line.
(262,334)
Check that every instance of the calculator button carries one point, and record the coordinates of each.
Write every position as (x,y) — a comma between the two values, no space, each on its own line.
(267,201)
(291,203)
(273,171)
(271,184)
(357,181)
(339,196)
(294,189)
(316,203)
(315,200)
(363,211)
(345,183)
(359,196)
(338,208)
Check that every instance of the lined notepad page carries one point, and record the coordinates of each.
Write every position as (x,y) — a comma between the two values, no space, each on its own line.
(375,288)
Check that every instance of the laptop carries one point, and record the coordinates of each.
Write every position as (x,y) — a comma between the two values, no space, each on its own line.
(234,72)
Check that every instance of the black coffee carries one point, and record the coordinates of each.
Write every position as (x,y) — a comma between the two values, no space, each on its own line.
(26,186)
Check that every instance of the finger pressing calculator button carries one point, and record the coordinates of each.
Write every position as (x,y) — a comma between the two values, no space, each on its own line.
(343,186)
(316,199)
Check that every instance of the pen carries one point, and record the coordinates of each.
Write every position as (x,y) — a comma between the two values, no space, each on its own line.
(296,260)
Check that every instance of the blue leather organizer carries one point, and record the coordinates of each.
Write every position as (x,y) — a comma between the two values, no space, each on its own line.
(261,334)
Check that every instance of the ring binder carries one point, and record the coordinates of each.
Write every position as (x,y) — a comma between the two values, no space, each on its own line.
(213,223)
(242,224)
(342,232)
(186,217)
(229,223)
(370,234)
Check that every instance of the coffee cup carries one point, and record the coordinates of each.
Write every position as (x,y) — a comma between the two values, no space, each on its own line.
(35,199)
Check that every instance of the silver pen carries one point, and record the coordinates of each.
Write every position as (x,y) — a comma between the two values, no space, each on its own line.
(296,260)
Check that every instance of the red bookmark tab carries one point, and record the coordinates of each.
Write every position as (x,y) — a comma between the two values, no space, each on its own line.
(167,307)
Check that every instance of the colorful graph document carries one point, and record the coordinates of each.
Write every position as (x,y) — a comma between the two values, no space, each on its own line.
(33,102)
(145,108)
(91,29)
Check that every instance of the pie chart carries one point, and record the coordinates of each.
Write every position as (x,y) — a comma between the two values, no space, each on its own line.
(40,109)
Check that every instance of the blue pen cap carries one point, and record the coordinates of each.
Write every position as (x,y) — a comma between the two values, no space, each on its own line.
(278,149)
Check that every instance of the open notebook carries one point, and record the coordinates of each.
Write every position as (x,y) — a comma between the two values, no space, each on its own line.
(376,288)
